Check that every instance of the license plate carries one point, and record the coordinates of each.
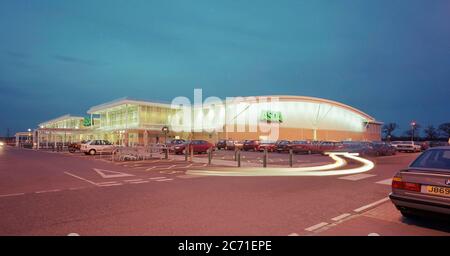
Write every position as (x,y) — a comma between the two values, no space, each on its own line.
(434,190)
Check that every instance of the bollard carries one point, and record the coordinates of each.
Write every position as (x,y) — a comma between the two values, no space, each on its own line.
(235,154)
(186,153)
(290,157)
(265,158)
(166,153)
(238,152)
(209,156)
(191,148)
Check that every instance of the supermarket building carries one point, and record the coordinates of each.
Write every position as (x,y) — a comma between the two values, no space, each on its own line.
(135,122)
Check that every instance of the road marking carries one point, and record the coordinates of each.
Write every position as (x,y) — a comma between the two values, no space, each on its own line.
(109,185)
(139,182)
(317,226)
(47,191)
(170,167)
(187,166)
(73,234)
(77,188)
(133,180)
(16,194)
(293,234)
(340,217)
(157,178)
(111,174)
(356,177)
(373,234)
(385,182)
(164,180)
(360,209)
(80,178)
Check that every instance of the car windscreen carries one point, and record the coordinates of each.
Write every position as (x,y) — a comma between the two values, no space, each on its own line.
(436,159)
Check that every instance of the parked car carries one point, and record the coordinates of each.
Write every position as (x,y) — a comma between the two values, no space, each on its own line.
(381,148)
(270,146)
(251,145)
(424,187)
(221,144)
(438,144)
(283,146)
(171,144)
(327,146)
(406,146)
(93,147)
(233,145)
(299,146)
(198,146)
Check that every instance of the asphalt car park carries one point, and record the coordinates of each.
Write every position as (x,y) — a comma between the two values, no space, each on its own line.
(45,193)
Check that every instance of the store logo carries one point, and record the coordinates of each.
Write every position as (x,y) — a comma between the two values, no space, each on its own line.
(272,116)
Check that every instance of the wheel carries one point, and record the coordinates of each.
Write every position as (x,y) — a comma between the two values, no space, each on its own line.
(92,152)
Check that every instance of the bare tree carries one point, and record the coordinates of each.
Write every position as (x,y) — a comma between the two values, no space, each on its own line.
(431,133)
(389,128)
(445,129)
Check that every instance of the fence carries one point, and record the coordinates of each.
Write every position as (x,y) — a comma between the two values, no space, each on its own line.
(139,152)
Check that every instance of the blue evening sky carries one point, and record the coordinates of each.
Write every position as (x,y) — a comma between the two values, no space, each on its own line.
(388,58)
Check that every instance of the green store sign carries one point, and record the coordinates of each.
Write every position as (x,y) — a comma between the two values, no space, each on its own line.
(272,116)
(87,122)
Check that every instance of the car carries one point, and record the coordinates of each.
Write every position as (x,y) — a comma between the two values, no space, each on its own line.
(171,144)
(233,145)
(221,144)
(406,146)
(250,145)
(282,146)
(381,148)
(198,146)
(424,186)
(438,144)
(93,147)
(328,146)
(270,146)
(299,146)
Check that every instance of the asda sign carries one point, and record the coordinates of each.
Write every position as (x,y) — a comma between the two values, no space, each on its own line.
(87,122)
(272,116)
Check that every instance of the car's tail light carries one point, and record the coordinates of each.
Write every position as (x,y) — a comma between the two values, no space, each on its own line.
(397,183)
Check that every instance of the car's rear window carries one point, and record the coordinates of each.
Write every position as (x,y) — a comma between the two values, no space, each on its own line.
(435,158)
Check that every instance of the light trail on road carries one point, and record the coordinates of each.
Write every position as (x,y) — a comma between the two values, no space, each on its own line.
(321,170)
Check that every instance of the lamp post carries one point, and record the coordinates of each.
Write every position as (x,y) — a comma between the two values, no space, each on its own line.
(413,127)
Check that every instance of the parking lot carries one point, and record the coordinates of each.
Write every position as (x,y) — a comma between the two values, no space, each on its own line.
(46,193)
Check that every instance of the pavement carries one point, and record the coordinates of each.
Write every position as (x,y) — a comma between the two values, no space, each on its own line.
(44,193)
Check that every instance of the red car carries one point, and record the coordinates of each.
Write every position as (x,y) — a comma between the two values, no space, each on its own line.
(251,145)
(271,146)
(300,146)
(199,146)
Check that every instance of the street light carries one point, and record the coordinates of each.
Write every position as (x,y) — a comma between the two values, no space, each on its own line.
(165,130)
(413,127)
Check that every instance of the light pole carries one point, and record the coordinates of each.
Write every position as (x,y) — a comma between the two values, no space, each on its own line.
(413,127)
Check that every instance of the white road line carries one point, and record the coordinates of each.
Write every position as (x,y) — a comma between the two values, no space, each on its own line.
(340,217)
(385,182)
(109,185)
(187,166)
(293,234)
(106,182)
(80,178)
(151,168)
(317,226)
(47,191)
(16,194)
(356,177)
(360,209)
(170,167)
(133,180)
(164,180)
(157,178)
(139,182)
(77,188)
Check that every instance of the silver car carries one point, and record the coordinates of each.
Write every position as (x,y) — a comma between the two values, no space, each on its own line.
(424,187)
